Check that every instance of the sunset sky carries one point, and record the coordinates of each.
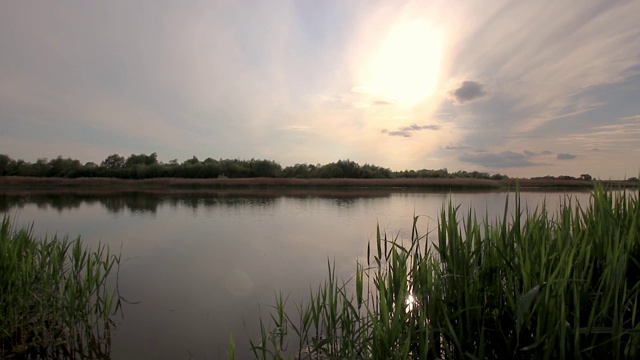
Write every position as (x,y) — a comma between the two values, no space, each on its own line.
(526,88)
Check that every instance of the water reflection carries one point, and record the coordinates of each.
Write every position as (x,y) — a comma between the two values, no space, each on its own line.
(200,264)
(134,202)
(149,202)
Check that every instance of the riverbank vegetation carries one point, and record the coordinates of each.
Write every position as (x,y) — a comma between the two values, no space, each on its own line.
(55,300)
(530,286)
(142,166)
(144,171)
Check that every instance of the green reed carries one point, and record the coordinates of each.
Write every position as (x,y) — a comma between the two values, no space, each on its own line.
(529,286)
(55,300)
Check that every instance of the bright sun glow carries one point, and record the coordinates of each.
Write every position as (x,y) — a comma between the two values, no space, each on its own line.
(410,303)
(405,68)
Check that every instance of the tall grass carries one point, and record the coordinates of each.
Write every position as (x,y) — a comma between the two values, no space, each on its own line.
(528,286)
(55,301)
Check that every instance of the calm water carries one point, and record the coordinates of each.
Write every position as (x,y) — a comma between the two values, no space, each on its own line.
(202,266)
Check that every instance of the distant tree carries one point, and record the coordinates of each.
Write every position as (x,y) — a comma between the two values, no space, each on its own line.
(499,176)
(152,159)
(299,171)
(38,169)
(349,169)
(114,161)
(264,168)
(546,177)
(60,167)
(6,165)
(585,177)
(193,161)
(141,159)
(235,168)
(368,171)
(211,168)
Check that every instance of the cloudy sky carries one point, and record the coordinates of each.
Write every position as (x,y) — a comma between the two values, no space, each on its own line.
(524,88)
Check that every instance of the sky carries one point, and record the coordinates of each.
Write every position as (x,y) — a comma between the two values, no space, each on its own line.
(524,88)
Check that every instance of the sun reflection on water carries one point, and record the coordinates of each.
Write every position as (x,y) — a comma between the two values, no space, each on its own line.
(410,303)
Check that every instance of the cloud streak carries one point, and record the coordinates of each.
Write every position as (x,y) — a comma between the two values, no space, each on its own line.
(566,156)
(504,159)
(407,131)
(456,147)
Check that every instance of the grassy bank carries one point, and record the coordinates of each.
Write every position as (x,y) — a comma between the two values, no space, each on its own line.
(55,301)
(531,286)
(25,183)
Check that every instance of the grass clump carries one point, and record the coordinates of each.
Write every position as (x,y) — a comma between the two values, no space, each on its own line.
(54,299)
(529,286)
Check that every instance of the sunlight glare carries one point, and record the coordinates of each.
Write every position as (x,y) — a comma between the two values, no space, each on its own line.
(405,68)
(410,303)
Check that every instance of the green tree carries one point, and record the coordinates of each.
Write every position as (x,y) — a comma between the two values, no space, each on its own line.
(265,168)
(141,159)
(114,161)
(6,165)
(60,167)
(193,161)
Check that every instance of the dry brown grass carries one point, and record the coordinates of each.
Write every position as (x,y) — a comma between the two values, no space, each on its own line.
(13,182)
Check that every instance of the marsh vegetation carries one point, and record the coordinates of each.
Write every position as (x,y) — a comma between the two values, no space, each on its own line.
(56,299)
(533,285)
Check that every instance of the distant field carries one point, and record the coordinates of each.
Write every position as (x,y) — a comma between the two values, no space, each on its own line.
(16,182)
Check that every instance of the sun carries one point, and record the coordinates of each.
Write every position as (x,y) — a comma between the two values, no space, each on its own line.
(405,68)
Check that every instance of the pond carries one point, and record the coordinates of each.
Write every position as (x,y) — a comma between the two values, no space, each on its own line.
(202,266)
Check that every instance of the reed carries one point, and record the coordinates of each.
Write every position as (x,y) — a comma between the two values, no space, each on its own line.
(55,300)
(528,286)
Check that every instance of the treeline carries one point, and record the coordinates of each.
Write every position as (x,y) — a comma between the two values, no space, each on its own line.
(142,166)
(585,177)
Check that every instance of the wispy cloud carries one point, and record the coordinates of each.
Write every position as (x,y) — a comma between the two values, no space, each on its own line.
(406,131)
(631,118)
(566,156)
(456,147)
(296,128)
(504,159)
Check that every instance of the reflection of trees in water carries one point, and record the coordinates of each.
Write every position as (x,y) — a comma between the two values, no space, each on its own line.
(195,202)
(146,202)
(57,202)
(7,203)
(134,202)
(114,203)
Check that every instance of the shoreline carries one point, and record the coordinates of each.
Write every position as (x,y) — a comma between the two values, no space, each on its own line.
(13,183)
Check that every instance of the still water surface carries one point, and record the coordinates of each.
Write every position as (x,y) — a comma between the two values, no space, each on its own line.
(201,266)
